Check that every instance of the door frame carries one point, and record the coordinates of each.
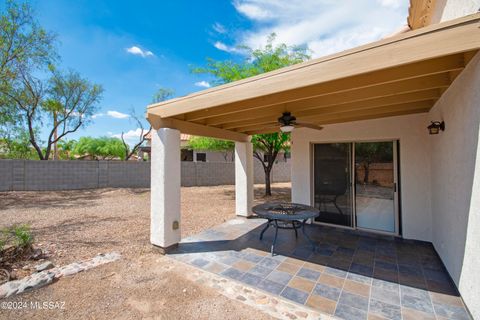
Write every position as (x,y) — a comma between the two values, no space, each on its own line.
(396,194)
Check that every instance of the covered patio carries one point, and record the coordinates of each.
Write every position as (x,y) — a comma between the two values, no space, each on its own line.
(386,90)
(351,275)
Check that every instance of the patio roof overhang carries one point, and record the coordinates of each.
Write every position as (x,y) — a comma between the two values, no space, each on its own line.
(404,74)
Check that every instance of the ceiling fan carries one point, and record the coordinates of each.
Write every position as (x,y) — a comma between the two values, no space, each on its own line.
(288,123)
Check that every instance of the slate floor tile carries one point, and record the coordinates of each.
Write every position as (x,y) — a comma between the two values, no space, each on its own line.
(199,262)
(308,274)
(270,286)
(295,295)
(252,257)
(359,278)
(326,291)
(331,280)
(353,300)
(301,284)
(411,314)
(243,265)
(349,313)
(320,303)
(260,271)
(269,263)
(288,267)
(251,279)
(336,272)
(386,310)
(215,267)
(385,295)
(417,303)
(232,273)
(357,288)
(361,269)
(451,312)
(279,277)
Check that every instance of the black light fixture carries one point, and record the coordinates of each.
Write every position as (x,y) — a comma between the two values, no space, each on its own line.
(435,127)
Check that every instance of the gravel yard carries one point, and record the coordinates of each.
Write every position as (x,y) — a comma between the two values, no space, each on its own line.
(76,225)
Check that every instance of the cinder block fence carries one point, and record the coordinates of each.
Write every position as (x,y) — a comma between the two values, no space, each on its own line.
(31,175)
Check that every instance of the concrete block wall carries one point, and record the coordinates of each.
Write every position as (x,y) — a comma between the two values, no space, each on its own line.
(26,175)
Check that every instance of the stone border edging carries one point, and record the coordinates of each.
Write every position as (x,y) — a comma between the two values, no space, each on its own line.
(43,278)
(265,302)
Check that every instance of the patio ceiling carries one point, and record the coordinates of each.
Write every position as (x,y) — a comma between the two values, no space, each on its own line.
(404,74)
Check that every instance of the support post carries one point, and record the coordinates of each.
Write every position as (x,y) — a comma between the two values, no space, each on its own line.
(243,178)
(165,189)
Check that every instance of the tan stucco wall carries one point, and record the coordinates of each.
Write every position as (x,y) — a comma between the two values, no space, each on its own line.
(456,183)
(414,161)
(445,10)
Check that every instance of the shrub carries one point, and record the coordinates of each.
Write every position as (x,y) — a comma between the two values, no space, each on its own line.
(18,236)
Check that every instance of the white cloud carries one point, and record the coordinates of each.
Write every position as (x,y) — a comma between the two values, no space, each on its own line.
(137,51)
(117,115)
(252,10)
(220,28)
(131,137)
(222,46)
(203,84)
(111,113)
(391,3)
(324,26)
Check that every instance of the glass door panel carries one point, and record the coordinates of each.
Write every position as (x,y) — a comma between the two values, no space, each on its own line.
(332,183)
(375,186)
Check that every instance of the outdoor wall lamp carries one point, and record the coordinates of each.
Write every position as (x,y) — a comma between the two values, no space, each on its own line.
(435,127)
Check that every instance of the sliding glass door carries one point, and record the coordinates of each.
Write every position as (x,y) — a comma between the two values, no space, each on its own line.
(332,183)
(375,186)
(368,203)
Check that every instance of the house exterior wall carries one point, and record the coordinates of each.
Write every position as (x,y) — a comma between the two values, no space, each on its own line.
(456,183)
(445,10)
(414,163)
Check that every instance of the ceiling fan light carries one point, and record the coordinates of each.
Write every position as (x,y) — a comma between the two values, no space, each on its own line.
(287,128)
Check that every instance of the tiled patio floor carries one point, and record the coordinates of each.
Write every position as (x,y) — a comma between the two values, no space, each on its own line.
(350,275)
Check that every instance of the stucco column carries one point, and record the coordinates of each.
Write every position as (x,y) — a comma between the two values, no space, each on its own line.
(243,178)
(165,189)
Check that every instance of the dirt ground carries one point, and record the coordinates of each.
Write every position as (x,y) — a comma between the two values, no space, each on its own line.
(76,225)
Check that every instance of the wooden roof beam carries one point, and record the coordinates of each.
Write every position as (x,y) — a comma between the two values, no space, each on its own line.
(401,73)
(333,109)
(370,113)
(196,129)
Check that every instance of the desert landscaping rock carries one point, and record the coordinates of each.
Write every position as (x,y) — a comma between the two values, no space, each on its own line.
(44,266)
(77,225)
(46,274)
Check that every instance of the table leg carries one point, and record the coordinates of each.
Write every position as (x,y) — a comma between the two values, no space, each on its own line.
(306,236)
(265,229)
(294,228)
(275,238)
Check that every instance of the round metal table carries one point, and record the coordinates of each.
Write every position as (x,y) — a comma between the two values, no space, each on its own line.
(285,215)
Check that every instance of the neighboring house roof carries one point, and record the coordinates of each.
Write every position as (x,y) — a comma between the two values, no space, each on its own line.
(420,13)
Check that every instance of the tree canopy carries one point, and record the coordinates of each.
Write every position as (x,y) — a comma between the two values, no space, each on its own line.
(100,148)
(255,62)
(35,97)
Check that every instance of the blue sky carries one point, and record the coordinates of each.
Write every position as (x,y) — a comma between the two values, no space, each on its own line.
(132,48)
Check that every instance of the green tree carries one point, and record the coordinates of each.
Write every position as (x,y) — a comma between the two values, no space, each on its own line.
(17,147)
(367,153)
(258,61)
(104,148)
(205,143)
(71,99)
(24,47)
(162,94)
